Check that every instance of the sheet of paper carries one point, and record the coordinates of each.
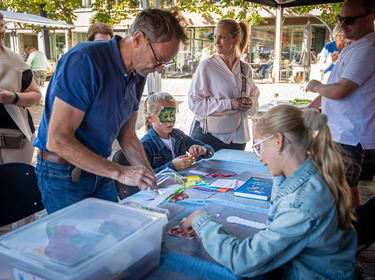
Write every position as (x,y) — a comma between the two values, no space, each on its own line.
(225,183)
(164,194)
(180,232)
(223,190)
(194,180)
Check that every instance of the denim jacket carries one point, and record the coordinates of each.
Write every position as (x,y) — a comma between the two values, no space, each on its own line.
(302,234)
(160,156)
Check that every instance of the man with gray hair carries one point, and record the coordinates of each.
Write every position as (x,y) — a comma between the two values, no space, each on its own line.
(93,99)
(348,98)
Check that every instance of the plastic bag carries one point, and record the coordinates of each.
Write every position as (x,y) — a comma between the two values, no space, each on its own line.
(169,184)
(169,178)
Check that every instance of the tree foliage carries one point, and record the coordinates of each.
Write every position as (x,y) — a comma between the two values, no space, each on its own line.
(235,9)
(328,11)
(240,10)
(111,13)
(62,10)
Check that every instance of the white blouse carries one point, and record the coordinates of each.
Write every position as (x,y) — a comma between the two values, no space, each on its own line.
(211,89)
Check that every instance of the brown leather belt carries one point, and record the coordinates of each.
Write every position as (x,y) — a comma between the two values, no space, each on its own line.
(53,157)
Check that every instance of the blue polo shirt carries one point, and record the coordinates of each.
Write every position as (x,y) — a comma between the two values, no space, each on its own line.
(92,78)
(330,48)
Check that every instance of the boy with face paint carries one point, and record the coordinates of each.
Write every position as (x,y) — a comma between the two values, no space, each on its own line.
(164,145)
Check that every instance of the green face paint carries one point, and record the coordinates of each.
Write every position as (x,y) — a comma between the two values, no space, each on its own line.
(167,114)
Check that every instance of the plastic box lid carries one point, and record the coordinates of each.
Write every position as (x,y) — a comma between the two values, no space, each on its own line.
(70,241)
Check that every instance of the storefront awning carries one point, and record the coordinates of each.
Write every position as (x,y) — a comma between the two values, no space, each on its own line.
(291,3)
(36,20)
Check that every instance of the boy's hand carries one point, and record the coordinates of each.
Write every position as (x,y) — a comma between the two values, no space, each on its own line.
(196,151)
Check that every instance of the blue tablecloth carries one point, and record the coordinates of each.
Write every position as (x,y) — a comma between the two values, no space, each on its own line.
(187,259)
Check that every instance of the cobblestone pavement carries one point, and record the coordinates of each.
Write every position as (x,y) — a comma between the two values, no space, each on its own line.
(179,89)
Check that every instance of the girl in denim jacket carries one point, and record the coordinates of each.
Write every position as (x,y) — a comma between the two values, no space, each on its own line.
(309,232)
(164,145)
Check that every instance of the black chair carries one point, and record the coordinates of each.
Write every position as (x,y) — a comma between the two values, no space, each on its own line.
(20,196)
(365,226)
(122,190)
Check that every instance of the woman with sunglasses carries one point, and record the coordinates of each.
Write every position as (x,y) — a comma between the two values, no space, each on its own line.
(309,233)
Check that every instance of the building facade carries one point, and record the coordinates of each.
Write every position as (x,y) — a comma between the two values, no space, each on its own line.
(200,31)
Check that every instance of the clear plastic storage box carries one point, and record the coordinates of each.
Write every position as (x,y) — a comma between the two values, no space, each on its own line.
(92,239)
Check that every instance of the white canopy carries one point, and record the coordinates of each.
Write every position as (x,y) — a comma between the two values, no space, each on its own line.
(34,20)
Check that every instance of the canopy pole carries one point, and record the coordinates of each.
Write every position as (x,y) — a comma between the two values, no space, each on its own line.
(276,63)
(153,79)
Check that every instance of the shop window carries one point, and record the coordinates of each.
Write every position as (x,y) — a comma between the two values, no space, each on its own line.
(60,45)
(87,3)
(168,3)
(7,40)
(263,41)
(189,56)
(79,37)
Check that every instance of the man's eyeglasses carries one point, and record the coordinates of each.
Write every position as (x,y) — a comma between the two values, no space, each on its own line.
(4,27)
(349,20)
(257,147)
(158,63)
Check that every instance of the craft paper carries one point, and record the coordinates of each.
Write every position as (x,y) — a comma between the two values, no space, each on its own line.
(194,180)
(225,183)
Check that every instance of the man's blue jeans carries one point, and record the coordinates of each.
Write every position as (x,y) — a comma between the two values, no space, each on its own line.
(58,190)
(263,68)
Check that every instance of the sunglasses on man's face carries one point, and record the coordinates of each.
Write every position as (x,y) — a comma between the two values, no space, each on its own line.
(349,20)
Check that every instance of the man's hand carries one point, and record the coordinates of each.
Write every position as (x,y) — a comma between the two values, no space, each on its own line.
(137,176)
(196,151)
(313,85)
(183,162)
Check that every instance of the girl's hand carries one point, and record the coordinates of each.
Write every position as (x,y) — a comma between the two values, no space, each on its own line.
(182,162)
(179,197)
(187,224)
(196,151)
